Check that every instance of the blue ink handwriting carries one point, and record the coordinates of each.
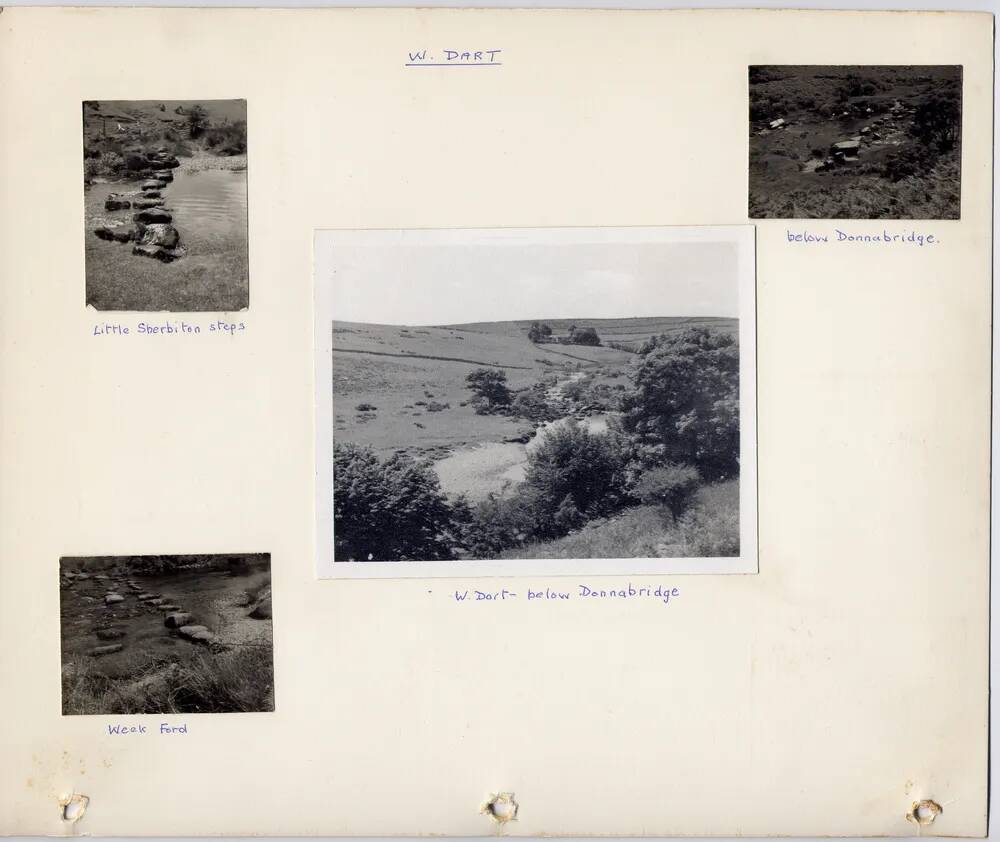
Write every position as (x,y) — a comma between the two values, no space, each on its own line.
(907,238)
(168,328)
(580,591)
(455,58)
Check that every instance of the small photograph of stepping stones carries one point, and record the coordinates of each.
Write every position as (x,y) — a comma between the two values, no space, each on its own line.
(166,634)
(165,205)
(855,142)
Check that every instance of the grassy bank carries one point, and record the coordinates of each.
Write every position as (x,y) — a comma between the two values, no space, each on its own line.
(234,681)
(709,528)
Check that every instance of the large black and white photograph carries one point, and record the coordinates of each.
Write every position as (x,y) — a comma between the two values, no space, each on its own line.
(547,400)
(855,142)
(165,205)
(166,634)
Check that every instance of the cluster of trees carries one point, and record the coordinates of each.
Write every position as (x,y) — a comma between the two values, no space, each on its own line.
(540,332)
(679,428)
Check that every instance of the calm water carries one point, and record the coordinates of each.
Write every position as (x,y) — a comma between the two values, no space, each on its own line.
(207,206)
(213,200)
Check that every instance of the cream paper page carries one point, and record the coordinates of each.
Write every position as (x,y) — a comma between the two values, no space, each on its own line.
(824,695)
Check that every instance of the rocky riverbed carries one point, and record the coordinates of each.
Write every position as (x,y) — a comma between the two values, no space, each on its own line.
(133,629)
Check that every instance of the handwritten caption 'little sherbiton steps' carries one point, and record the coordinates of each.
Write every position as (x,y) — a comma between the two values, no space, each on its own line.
(577,592)
(169,328)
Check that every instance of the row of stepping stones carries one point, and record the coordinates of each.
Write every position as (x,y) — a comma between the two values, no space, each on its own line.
(176,619)
(153,234)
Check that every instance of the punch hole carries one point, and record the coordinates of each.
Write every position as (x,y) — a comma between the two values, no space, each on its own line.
(73,807)
(924,812)
(501,807)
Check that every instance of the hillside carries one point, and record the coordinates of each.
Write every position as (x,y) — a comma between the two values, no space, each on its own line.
(414,377)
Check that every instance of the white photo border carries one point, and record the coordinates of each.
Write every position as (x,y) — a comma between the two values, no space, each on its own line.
(326,244)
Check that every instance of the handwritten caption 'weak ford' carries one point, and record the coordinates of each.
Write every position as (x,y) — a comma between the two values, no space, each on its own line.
(883,238)
(578,592)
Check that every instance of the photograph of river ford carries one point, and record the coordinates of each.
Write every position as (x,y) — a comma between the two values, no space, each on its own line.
(165,205)
(166,634)
(540,438)
(855,142)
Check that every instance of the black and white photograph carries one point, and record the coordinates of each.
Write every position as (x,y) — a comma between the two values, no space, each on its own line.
(519,400)
(855,142)
(165,205)
(166,634)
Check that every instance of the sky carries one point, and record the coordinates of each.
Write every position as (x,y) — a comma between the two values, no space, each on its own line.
(408,282)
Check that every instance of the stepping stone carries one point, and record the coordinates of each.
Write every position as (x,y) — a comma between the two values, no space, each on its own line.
(119,235)
(144,204)
(155,184)
(177,620)
(190,631)
(170,608)
(112,598)
(82,575)
(164,175)
(110,649)
(116,204)
(203,636)
(157,602)
(152,194)
(144,596)
(151,215)
(159,234)
(110,634)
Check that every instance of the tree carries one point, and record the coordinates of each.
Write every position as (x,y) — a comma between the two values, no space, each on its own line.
(197,120)
(584,336)
(489,384)
(936,121)
(570,461)
(387,511)
(535,332)
(683,407)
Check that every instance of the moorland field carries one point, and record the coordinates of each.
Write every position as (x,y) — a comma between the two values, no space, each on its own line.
(855,142)
(475,413)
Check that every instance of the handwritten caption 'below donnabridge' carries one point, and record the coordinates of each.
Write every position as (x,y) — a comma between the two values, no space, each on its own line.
(577,592)
(883,238)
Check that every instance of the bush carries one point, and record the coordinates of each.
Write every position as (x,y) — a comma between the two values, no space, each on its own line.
(489,384)
(936,121)
(387,511)
(673,486)
(434,406)
(366,407)
(570,461)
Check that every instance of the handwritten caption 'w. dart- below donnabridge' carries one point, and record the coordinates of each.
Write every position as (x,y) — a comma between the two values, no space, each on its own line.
(578,592)
(883,238)
(454,58)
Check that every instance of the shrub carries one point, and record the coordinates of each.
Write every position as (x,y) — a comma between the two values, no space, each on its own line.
(673,486)
(387,511)
(571,461)
(490,384)
(434,406)
(936,121)
(366,407)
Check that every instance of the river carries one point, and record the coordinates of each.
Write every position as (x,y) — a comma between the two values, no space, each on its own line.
(487,468)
